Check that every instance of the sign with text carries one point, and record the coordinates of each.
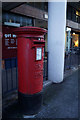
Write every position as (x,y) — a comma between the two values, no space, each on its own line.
(38,53)
(9,42)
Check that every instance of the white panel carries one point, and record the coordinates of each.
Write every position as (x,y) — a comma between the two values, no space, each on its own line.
(38,53)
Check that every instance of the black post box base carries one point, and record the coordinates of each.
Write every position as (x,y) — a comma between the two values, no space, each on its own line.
(30,104)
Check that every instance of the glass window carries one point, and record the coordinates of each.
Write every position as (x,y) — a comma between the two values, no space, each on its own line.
(30,3)
(74,15)
(75,40)
(78,13)
(15,18)
(78,16)
(39,5)
(69,12)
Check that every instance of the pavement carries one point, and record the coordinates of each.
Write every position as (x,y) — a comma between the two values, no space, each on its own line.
(59,100)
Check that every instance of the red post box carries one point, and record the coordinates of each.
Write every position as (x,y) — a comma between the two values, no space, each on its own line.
(30,67)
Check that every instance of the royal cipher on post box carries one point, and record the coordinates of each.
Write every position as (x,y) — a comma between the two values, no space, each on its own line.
(30,67)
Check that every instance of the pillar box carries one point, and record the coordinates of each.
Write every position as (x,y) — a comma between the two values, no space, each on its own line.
(30,67)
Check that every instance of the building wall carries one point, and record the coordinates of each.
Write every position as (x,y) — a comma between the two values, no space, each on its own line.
(73,25)
(73,21)
(30,11)
(73,14)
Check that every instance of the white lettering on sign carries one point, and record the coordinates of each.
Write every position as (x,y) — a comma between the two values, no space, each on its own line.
(14,36)
(12,47)
(6,42)
(12,41)
(7,35)
(38,53)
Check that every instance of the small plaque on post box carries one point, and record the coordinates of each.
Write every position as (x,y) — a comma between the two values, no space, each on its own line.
(38,53)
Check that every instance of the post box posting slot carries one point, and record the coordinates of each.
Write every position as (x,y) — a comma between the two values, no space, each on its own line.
(36,43)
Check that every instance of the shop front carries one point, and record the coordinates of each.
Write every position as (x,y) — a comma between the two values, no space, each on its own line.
(72,41)
(72,48)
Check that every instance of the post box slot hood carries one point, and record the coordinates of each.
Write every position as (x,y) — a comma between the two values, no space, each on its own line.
(33,31)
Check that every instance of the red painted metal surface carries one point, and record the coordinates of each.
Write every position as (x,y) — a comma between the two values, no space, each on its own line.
(9,42)
(30,69)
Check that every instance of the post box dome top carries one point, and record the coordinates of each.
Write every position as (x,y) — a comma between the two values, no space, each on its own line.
(30,30)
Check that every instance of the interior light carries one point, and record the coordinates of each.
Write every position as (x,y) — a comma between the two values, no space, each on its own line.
(73,33)
(68,29)
(76,43)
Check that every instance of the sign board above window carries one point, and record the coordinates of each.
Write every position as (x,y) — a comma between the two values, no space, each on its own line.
(12,24)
